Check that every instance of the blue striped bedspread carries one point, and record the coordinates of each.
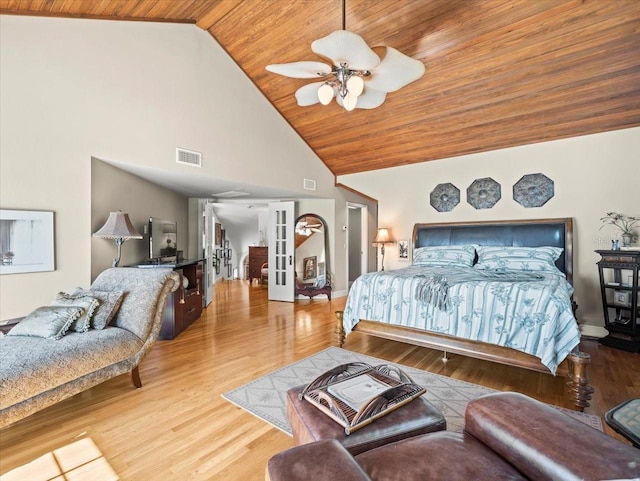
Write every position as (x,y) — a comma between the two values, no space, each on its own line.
(530,316)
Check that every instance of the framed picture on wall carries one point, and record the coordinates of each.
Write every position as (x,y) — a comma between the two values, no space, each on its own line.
(26,241)
(218,234)
(321,269)
(309,266)
(403,250)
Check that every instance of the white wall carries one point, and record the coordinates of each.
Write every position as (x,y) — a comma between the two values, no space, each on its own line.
(592,175)
(131,92)
(241,230)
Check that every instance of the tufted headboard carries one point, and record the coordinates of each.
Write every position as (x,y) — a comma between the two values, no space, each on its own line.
(523,233)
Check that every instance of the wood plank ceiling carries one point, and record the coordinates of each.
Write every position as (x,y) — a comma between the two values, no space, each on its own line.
(499,73)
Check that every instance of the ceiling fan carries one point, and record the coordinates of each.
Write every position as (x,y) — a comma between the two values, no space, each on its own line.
(306,229)
(357,76)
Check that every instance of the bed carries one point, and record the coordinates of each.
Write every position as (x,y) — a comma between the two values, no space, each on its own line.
(470,292)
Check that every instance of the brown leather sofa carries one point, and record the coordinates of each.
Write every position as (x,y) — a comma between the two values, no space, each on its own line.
(507,436)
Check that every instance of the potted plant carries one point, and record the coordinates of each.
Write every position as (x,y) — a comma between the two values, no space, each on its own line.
(625,223)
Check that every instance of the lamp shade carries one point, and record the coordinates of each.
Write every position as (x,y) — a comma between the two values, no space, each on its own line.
(382,236)
(118,226)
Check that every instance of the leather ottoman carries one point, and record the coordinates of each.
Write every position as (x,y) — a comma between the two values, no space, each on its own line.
(309,424)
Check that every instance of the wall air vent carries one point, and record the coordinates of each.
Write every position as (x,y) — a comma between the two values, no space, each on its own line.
(188,157)
(309,184)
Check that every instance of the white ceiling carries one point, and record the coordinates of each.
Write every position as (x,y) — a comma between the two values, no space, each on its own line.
(201,186)
(229,211)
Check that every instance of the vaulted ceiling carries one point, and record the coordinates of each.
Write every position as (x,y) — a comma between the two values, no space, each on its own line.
(499,73)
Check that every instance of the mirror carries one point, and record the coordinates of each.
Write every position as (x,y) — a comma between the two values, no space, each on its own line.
(311,255)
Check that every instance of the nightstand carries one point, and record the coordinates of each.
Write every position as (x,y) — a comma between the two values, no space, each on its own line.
(619,290)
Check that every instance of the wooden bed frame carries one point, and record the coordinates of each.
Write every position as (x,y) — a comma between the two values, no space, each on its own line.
(529,233)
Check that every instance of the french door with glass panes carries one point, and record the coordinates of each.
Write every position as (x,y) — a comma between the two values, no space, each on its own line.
(282,221)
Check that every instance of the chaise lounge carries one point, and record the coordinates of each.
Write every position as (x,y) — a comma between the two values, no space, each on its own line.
(36,372)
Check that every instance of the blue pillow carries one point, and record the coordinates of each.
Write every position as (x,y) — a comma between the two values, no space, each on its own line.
(445,256)
(509,258)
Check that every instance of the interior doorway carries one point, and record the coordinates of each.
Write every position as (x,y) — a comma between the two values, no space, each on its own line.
(281,251)
(356,241)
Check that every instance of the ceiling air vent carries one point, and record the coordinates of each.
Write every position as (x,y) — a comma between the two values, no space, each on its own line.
(230,194)
(309,184)
(188,157)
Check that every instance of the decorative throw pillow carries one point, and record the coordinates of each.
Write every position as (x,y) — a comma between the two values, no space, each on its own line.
(447,256)
(110,302)
(503,258)
(88,305)
(50,322)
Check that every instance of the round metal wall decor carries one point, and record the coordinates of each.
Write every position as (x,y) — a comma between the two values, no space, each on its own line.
(483,193)
(533,190)
(444,197)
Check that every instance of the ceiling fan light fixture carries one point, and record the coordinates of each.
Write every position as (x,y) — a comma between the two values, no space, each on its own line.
(355,85)
(325,94)
(353,64)
(308,94)
(350,101)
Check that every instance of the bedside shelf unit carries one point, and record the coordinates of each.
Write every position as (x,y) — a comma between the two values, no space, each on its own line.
(619,290)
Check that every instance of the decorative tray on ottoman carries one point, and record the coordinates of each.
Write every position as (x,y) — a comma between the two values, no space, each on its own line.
(355,394)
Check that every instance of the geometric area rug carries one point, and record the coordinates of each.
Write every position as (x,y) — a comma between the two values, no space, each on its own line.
(265,397)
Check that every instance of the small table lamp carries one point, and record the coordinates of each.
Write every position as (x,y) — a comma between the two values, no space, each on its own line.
(382,237)
(119,228)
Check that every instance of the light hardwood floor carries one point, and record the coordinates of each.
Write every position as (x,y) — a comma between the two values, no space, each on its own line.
(178,427)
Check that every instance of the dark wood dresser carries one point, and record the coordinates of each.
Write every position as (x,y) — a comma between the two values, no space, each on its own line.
(258,255)
(183,306)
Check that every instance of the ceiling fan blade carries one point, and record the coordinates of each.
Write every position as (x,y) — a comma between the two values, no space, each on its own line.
(306,69)
(394,72)
(308,95)
(344,46)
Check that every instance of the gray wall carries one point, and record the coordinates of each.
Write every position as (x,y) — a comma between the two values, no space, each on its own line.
(355,243)
(114,189)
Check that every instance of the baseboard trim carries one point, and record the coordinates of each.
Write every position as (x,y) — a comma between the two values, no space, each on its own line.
(593,331)
(335,294)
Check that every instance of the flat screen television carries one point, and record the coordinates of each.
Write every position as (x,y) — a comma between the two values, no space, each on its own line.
(163,239)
